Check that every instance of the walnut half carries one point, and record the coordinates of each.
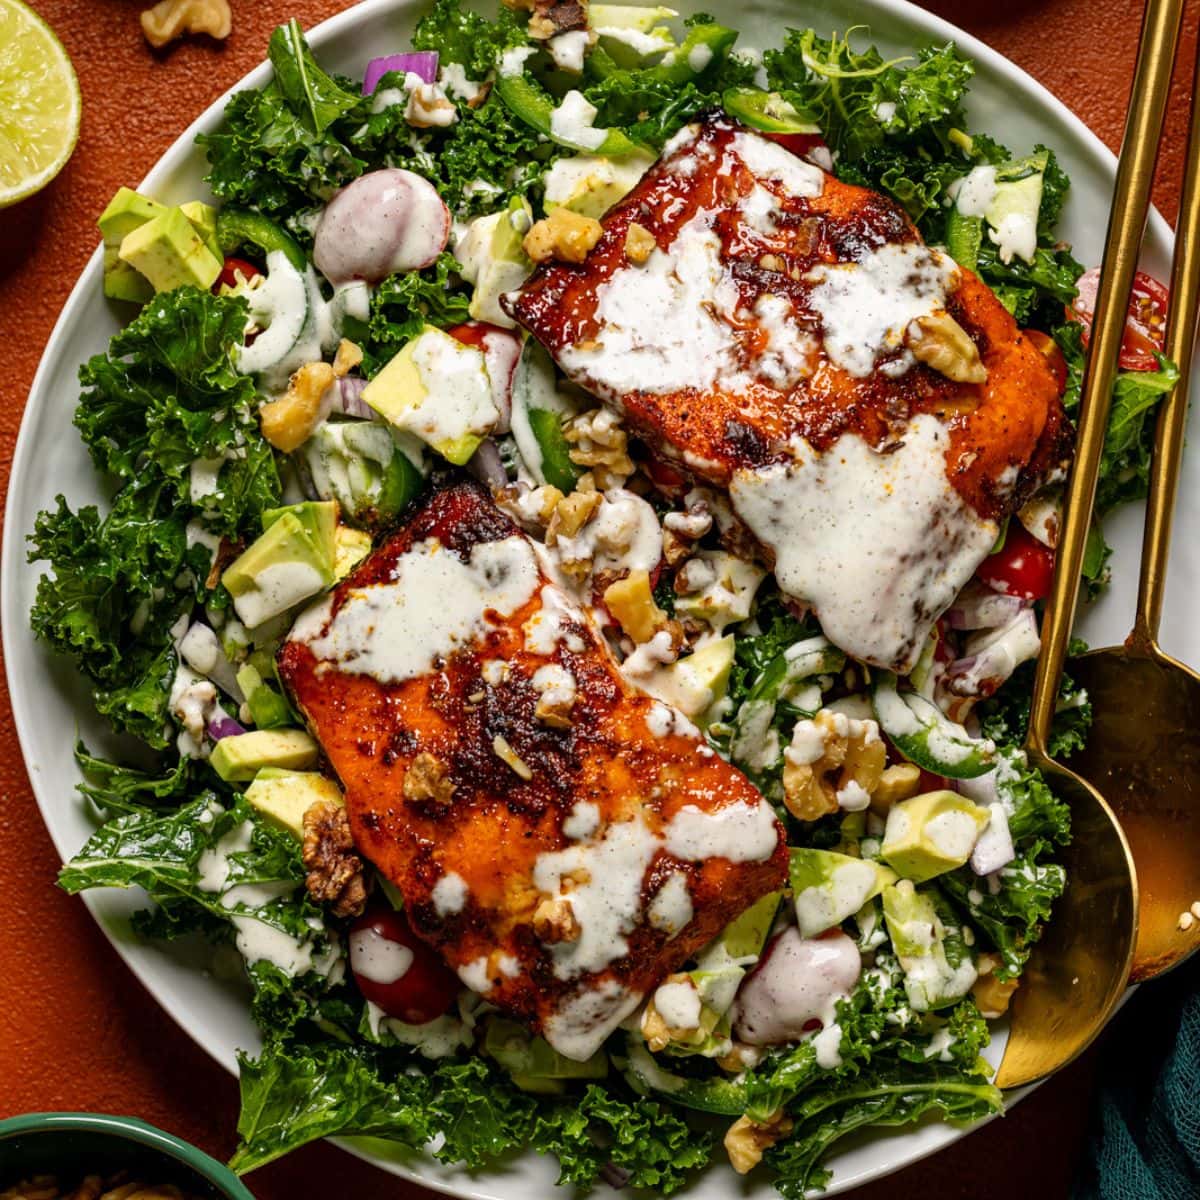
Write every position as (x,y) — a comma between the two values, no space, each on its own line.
(940,342)
(832,760)
(172,19)
(427,779)
(745,1140)
(335,871)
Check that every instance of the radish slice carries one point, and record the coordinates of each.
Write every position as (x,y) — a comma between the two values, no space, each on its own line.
(501,352)
(421,62)
(385,221)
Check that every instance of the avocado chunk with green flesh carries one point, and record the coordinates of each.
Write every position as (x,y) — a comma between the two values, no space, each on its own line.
(829,887)
(204,220)
(291,561)
(937,964)
(438,389)
(170,253)
(533,1063)
(122,282)
(127,210)
(283,797)
(494,261)
(350,547)
(268,709)
(590,185)
(696,683)
(931,834)
(244,755)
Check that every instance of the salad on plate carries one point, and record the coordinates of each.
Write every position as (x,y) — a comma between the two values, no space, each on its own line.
(582,498)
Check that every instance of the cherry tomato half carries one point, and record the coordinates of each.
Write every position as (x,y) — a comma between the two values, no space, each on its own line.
(1145,326)
(474,333)
(800,144)
(1023,567)
(1054,357)
(663,474)
(232,268)
(397,971)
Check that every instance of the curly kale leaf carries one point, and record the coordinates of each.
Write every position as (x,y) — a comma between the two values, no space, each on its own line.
(899,1096)
(117,790)
(465,37)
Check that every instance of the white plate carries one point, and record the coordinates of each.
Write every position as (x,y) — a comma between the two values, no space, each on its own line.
(50,705)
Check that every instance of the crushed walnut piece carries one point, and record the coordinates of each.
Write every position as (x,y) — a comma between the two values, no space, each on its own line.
(745,1140)
(571,514)
(992,995)
(563,235)
(554,921)
(287,423)
(940,342)
(599,442)
(831,756)
(349,355)
(427,779)
(335,871)
(901,781)
(639,243)
(550,17)
(171,19)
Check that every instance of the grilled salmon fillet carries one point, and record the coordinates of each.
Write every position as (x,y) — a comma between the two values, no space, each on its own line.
(871,408)
(564,841)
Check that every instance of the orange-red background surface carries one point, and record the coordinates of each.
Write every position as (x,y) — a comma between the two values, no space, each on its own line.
(76,1030)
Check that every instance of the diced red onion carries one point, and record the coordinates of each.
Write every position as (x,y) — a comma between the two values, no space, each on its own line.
(222,725)
(350,402)
(486,465)
(420,62)
(980,607)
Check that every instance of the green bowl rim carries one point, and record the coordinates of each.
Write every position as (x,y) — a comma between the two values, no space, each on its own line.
(135,1130)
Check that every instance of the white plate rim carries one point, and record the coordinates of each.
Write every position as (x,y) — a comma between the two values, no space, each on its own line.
(925,26)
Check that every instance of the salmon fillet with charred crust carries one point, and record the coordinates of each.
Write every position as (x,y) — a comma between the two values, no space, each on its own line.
(564,841)
(871,408)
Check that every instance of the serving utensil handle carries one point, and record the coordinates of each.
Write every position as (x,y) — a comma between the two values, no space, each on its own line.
(1131,203)
(1178,346)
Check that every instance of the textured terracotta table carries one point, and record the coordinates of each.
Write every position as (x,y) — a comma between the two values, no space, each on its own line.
(76,1030)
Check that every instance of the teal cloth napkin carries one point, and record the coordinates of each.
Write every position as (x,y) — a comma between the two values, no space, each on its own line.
(1144,1142)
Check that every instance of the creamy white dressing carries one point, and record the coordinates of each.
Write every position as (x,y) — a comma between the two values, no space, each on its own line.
(571,121)
(583,820)
(789,352)
(974,192)
(449,894)
(678,1003)
(841,895)
(623,533)
(378,959)
(659,325)
(204,478)
(866,306)
(663,720)
(458,401)
(555,684)
(568,49)
(547,628)
(277,587)
(383,222)
(581,1023)
(671,910)
(434,605)
(642,44)
(878,544)
(769,160)
(699,56)
(739,832)
(454,81)
(608,906)
(512,62)
(1015,236)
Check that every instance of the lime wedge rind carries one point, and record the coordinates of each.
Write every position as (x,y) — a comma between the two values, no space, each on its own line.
(39,103)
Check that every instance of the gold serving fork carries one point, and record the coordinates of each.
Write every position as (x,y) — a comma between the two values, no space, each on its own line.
(1081,967)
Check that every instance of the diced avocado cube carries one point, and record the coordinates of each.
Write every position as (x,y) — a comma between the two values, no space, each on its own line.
(744,937)
(243,756)
(286,565)
(829,887)
(492,258)
(204,219)
(319,518)
(283,797)
(590,185)
(127,211)
(170,253)
(268,709)
(351,546)
(533,1063)
(438,389)
(628,16)
(937,964)
(931,834)
(696,683)
(122,282)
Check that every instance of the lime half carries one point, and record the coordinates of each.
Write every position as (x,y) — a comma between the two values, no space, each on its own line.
(39,103)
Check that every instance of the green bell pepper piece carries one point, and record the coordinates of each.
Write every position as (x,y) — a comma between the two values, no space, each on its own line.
(534,105)
(557,466)
(925,735)
(964,236)
(238,228)
(767,111)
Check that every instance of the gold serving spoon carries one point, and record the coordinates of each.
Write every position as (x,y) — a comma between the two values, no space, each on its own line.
(1080,969)
(1144,748)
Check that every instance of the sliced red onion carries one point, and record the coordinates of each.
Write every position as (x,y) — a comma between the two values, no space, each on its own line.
(222,725)
(486,465)
(993,655)
(420,62)
(979,607)
(201,649)
(350,402)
